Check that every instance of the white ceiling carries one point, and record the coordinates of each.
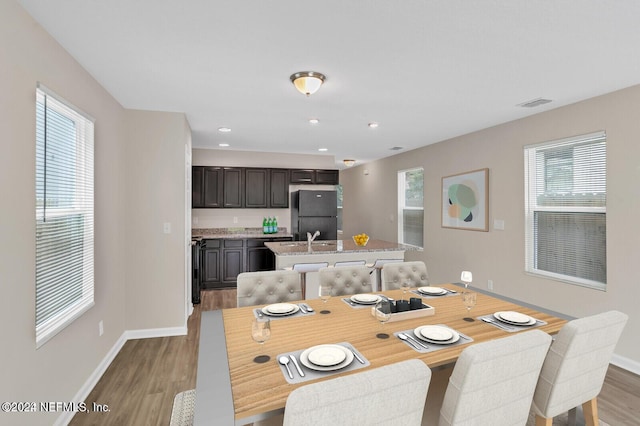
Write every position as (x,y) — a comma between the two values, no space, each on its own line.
(425,70)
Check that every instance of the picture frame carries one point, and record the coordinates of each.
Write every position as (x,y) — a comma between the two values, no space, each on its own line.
(465,200)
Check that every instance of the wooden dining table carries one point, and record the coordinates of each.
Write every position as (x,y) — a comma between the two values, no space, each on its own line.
(245,391)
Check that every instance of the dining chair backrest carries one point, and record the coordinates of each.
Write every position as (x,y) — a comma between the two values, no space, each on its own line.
(574,370)
(394,394)
(394,274)
(349,263)
(259,288)
(346,280)
(493,382)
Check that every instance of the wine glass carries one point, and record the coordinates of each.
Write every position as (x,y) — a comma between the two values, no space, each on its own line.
(325,294)
(261,332)
(383,314)
(466,277)
(406,285)
(469,300)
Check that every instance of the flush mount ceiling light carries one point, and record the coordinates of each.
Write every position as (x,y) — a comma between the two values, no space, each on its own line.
(224,129)
(373,125)
(307,82)
(224,145)
(314,121)
(323,149)
(349,163)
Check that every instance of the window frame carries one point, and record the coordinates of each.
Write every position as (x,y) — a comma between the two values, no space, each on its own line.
(65,309)
(532,207)
(402,204)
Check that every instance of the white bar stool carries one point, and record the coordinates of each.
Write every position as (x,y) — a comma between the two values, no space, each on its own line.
(303,268)
(349,263)
(377,267)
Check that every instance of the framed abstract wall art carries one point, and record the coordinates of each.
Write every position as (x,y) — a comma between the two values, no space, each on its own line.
(465,201)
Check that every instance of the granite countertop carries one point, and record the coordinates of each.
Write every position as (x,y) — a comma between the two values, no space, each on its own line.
(289,248)
(198,234)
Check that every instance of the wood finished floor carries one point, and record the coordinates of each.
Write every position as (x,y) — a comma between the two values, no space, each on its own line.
(141,382)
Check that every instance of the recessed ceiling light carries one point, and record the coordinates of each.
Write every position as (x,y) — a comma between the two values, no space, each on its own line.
(323,149)
(224,129)
(223,144)
(314,121)
(373,125)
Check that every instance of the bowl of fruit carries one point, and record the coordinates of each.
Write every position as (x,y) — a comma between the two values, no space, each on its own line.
(361,239)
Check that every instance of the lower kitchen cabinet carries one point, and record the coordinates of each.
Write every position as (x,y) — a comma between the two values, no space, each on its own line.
(223,259)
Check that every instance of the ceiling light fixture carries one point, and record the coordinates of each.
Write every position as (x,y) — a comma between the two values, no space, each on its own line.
(224,129)
(307,82)
(323,149)
(373,125)
(314,121)
(349,163)
(224,145)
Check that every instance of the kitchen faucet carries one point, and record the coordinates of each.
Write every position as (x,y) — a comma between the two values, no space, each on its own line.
(311,238)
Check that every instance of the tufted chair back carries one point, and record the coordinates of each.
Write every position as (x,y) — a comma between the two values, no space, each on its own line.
(394,274)
(346,279)
(262,288)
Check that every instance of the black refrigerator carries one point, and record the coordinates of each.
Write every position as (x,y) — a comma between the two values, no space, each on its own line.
(313,211)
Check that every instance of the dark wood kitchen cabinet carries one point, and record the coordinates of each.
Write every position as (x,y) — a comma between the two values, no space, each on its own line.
(279,188)
(232,261)
(210,252)
(206,187)
(259,257)
(256,190)
(316,177)
(233,184)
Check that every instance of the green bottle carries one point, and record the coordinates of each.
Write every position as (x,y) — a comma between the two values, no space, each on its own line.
(275,225)
(265,226)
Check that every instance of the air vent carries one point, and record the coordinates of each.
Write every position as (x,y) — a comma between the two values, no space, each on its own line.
(396,148)
(534,103)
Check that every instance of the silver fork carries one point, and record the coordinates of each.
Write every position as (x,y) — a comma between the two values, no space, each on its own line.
(497,324)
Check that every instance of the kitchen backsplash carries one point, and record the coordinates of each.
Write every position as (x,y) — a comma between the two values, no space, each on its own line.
(238,218)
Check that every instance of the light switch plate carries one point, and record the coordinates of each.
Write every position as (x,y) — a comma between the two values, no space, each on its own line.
(498,225)
(167,228)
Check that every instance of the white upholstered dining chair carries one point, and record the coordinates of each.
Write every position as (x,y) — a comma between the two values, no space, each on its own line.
(493,382)
(390,395)
(394,274)
(260,288)
(346,280)
(576,365)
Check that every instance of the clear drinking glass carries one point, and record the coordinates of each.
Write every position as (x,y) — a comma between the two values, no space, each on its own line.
(469,300)
(383,314)
(325,294)
(261,332)
(406,285)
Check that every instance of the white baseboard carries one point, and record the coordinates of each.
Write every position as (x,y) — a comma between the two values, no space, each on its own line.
(155,332)
(91,382)
(93,379)
(626,363)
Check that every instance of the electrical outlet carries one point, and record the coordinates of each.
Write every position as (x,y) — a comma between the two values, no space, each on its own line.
(195,220)
(167,228)
(235,219)
(100,328)
(490,284)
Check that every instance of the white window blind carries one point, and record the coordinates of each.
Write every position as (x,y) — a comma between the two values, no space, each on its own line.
(565,210)
(411,207)
(64,214)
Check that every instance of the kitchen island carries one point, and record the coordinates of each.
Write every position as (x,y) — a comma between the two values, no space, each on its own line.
(289,253)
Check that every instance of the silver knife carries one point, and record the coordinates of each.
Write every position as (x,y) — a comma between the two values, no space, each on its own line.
(295,362)
(418,342)
(302,308)
(357,356)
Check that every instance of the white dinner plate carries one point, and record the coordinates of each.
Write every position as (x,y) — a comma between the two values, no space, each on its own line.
(437,334)
(327,356)
(432,291)
(280,309)
(365,299)
(515,318)
(304,359)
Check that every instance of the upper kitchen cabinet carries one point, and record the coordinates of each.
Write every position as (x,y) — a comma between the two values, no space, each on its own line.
(206,187)
(279,188)
(256,191)
(317,177)
(233,183)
